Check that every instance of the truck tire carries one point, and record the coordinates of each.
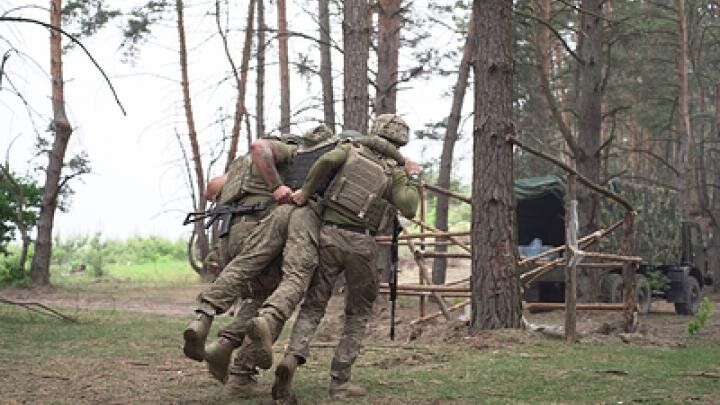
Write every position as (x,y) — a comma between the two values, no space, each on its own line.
(643,294)
(692,293)
(614,288)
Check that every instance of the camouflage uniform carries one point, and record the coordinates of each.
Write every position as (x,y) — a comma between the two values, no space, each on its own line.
(347,245)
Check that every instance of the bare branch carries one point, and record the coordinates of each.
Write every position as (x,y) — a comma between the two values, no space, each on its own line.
(76,41)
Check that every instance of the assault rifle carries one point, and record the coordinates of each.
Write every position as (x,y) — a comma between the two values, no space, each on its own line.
(397,228)
(224,213)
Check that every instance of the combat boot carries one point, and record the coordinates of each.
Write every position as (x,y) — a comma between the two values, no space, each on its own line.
(347,389)
(261,341)
(283,377)
(245,386)
(195,335)
(217,355)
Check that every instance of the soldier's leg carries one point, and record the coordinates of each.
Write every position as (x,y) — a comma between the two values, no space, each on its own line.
(360,294)
(311,313)
(196,332)
(300,259)
(263,244)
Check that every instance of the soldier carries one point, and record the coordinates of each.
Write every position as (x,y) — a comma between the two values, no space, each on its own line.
(364,195)
(292,235)
(248,181)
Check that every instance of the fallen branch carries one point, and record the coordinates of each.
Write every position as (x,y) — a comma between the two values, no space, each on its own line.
(44,310)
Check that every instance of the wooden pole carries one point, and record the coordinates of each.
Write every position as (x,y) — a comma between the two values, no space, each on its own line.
(436,314)
(628,248)
(424,273)
(448,193)
(570,270)
(422,246)
(578,307)
(438,235)
(450,235)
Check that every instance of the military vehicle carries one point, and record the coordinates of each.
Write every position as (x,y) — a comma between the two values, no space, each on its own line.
(673,251)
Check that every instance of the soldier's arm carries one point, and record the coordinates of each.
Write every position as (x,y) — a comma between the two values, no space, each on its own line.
(319,170)
(214,186)
(405,193)
(266,155)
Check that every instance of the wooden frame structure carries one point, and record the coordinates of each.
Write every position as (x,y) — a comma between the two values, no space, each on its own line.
(573,247)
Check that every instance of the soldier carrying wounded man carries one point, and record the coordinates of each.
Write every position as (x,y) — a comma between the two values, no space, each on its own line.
(349,193)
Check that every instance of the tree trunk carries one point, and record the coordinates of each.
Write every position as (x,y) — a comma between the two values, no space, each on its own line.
(495,284)
(714,248)
(284,68)
(589,110)
(240,110)
(446,157)
(389,23)
(355,44)
(40,266)
(326,65)
(201,241)
(686,181)
(260,72)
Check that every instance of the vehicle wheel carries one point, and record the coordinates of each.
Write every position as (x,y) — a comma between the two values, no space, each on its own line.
(614,288)
(692,298)
(644,294)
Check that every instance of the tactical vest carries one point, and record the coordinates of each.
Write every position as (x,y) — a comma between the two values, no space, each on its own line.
(232,190)
(303,162)
(359,188)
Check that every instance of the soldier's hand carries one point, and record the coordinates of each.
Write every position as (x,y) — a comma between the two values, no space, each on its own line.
(299,198)
(412,168)
(282,194)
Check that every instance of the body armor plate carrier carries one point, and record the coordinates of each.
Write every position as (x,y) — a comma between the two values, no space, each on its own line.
(232,190)
(304,160)
(358,190)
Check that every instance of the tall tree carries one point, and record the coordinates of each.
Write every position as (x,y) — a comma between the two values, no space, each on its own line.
(446,157)
(240,79)
(389,24)
(355,45)
(284,67)
(494,282)
(201,241)
(326,64)
(40,266)
(260,71)
(686,157)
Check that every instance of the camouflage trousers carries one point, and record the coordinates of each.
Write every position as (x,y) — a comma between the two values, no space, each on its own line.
(355,254)
(296,240)
(246,307)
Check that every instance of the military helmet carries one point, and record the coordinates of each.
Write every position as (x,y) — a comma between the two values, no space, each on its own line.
(391,127)
(319,134)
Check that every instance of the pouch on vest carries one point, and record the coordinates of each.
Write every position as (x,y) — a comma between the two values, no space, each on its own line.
(358,189)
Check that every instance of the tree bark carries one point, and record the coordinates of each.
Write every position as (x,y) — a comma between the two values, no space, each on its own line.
(260,72)
(284,68)
(389,23)
(494,282)
(201,242)
(686,159)
(714,248)
(355,45)
(241,82)
(326,64)
(40,266)
(446,157)
(589,109)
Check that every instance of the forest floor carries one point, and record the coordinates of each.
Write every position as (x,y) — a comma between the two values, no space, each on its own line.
(127,349)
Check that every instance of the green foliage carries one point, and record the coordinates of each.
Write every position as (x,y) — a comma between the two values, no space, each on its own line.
(87,17)
(91,251)
(701,317)
(31,194)
(657,280)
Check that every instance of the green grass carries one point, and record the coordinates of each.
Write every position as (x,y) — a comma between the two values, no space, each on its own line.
(136,358)
(160,273)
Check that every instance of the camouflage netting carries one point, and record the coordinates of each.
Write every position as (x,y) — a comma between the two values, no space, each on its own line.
(657,226)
